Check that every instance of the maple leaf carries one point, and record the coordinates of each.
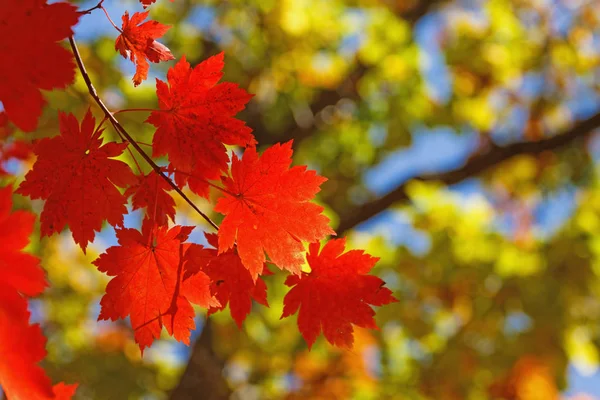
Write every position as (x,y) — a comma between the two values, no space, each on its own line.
(231,282)
(22,345)
(20,271)
(335,294)
(195,120)
(9,147)
(137,43)
(267,208)
(24,69)
(151,192)
(76,176)
(147,286)
(146,3)
(64,392)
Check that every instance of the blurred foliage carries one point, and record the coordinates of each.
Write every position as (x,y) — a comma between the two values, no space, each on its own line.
(499,284)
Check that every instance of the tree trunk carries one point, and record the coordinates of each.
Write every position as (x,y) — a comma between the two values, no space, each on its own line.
(203,377)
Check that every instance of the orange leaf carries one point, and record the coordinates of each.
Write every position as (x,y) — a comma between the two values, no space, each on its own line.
(147,286)
(267,208)
(231,282)
(195,120)
(137,43)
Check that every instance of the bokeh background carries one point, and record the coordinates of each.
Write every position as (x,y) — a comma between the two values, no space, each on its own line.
(458,139)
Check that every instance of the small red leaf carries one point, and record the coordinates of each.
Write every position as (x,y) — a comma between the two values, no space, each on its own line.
(146,3)
(231,282)
(151,192)
(147,286)
(335,294)
(76,175)
(195,121)
(267,208)
(137,43)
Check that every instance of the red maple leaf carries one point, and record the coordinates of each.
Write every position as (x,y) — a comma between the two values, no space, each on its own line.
(22,346)
(19,270)
(146,3)
(64,392)
(147,286)
(335,294)
(151,192)
(195,120)
(24,69)
(76,176)
(267,208)
(11,148)
(137,43)
(231,282)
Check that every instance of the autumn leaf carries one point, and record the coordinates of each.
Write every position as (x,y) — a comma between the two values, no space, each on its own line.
(231,282)
(22,346)
(267,207)
(11,148)
(21,271)
(64,392)
(335,294)
(150,192)
(195,120)
(76,176)
(29,34)
(146,3)
(137,42)
(147,286)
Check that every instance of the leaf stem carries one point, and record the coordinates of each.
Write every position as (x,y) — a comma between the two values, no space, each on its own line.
(208,183)
(133,109)
(117,125)
(109,19)
(99,127)
(131,154)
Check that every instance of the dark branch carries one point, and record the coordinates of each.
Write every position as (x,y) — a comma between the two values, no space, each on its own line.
(477,164)
(420,10)
(117,125)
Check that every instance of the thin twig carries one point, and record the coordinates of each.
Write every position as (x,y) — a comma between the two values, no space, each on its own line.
(130,153)
(117,125)
(89,10)
(125,110)
(110,19)
(208,183)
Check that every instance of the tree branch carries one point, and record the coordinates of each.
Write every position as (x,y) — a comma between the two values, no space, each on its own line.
(122,130)
(477,164)
(419,10)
